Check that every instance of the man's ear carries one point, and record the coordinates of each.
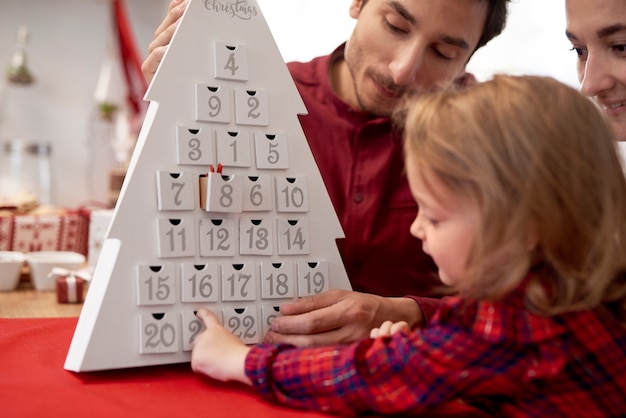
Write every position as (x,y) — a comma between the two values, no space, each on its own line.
(355,8)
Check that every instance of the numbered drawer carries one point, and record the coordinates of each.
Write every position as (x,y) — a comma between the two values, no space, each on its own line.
(278,280)
(271,150)
(268,313)
(244,323)
(156,285)
(292,194)
(175,191)
(256,236)
(212,103)
(251,107)
(191,326)
(224,194)
(257,193)
(233,148)
(218,237)
(239,282)
(293,236)
(194,146)
(231,61)
(176,237)
(199,282)
(312,277)
(159,333)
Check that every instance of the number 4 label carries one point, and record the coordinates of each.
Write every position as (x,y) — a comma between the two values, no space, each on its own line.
(231,61)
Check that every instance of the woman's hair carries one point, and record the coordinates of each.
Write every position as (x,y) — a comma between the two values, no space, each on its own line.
(540,163)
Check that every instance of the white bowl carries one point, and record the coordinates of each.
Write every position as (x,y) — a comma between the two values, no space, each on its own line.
(11,263)
(41,264)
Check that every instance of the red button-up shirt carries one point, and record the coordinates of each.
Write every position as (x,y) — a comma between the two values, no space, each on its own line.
(497,356)
(362,164)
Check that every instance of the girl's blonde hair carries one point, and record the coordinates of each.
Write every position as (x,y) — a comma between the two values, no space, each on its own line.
(541,165)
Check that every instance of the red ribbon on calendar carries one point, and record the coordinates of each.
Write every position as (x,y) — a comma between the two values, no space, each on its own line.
(214,170)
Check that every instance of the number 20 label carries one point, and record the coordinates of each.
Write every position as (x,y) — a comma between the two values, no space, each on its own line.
(159,333)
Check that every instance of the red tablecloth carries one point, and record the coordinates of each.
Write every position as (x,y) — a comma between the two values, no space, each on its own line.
(33,383)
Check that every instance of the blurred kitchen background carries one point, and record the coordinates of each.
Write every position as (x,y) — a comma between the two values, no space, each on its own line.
(76,100)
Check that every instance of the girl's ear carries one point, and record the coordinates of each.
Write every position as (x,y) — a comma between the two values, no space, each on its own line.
(533,237)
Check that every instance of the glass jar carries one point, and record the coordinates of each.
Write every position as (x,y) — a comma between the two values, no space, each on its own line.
(26,168)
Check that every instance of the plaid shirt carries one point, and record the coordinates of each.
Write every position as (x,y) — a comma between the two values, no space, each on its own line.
(497,356)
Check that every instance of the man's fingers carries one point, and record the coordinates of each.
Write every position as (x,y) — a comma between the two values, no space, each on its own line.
(313,322)
(309,340)
(312,303)
(175,11)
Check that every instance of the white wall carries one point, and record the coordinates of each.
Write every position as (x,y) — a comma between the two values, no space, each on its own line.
(68,43)
(69,39)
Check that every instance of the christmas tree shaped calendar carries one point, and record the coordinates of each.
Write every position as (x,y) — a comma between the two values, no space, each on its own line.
(223,206)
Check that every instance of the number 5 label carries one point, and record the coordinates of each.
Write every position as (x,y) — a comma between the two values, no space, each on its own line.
(271,150)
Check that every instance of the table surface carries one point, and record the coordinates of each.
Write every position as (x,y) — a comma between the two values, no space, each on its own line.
(35,333)
(26,302)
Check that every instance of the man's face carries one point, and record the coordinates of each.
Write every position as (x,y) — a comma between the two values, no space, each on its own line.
(409,45)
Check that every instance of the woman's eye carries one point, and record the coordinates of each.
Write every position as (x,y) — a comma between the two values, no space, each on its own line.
(580,52)
(620,49)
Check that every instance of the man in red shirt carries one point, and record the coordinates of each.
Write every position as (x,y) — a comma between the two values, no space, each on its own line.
(397,47)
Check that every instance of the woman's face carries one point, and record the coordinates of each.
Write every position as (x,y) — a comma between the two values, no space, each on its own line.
(597,30)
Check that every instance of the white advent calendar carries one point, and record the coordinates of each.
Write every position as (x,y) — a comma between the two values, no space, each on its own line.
(223,206)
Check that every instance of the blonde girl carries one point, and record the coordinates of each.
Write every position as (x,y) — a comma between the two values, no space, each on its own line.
(522,206)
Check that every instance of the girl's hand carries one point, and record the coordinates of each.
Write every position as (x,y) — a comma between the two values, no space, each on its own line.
(217,353)
(389,328)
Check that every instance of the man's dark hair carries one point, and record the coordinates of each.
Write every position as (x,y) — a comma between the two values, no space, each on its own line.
(497,13)
(496,20)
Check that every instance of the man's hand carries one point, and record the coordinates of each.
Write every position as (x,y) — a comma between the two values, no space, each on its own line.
(217,353)
(338,317)
(162,37)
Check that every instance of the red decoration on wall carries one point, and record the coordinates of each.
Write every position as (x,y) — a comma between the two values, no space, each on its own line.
(130,59)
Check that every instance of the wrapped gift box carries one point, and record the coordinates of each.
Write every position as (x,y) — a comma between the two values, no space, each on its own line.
(70,289)
(63,230)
